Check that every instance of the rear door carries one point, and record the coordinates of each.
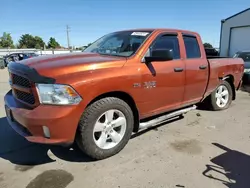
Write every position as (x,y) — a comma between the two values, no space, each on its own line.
(197,70)
(163,80)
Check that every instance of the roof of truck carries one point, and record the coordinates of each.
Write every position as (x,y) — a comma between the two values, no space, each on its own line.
(161,29)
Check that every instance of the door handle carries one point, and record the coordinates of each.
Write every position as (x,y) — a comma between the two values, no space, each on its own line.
(203,67)
(178,69)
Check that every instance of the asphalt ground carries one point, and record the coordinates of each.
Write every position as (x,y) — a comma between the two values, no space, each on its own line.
(205,149)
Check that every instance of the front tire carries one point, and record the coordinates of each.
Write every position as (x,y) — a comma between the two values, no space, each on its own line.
(221,98)
(105,128)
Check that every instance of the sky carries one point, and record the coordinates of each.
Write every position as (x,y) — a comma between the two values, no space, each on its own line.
(90,19)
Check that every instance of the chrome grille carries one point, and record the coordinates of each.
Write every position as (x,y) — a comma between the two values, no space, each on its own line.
(26,97)
(20,81)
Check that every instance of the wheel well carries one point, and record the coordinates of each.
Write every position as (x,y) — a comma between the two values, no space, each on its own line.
(125,97)
(230,80)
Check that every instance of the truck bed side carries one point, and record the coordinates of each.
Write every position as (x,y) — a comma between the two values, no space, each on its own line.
(220,68)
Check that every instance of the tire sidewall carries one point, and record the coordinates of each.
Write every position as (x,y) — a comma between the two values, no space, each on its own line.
(229,88)
(87,133)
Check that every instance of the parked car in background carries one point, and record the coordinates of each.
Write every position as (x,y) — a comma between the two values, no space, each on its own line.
(18,57)
(211,52)
(122,83)
(245,55)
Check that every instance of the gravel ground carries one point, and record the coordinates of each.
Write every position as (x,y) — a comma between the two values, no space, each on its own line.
(204,149)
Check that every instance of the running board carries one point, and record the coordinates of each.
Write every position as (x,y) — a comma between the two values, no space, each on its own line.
(165,117)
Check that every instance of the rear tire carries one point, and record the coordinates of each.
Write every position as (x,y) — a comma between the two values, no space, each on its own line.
(105,128)
(221,98)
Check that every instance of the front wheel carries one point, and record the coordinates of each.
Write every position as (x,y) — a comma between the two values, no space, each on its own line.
(221,98)
(105,128)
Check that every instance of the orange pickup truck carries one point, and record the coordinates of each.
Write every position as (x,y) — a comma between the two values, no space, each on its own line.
(124,82)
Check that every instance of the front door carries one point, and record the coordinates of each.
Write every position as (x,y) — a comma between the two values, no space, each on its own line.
(163,81)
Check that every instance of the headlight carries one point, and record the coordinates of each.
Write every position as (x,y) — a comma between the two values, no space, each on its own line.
(57,94)
(246,70)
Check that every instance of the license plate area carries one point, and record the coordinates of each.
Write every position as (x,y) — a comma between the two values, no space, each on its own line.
(9,113)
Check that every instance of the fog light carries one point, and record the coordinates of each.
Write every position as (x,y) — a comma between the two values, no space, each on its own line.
(46,132)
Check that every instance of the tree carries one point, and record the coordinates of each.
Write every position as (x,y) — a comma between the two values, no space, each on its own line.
(6,41)
(53,43)
(29,41)
(39,43)
(208,45)
(17,45)
(37,46)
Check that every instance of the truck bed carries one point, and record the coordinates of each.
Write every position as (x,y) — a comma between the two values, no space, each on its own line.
(222,67)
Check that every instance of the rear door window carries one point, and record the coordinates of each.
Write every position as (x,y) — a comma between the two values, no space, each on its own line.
(192,47)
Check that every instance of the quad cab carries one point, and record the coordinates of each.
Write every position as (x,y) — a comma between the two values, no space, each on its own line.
(124,82)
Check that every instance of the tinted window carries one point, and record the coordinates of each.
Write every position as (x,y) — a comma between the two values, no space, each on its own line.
(192,47)
(168,42)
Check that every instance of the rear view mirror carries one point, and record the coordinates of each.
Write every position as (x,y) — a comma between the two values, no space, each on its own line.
(160,55)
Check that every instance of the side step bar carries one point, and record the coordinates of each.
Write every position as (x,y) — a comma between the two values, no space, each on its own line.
(165,117)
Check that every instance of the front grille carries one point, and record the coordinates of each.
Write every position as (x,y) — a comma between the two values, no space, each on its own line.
(20,81)
(26,97)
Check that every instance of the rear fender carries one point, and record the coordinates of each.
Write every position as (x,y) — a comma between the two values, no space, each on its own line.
(230,80)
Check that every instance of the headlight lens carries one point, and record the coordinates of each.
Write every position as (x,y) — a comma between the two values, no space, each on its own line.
(246,70)
(57,94)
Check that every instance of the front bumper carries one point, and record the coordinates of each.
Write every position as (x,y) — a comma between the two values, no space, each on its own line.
(62,121)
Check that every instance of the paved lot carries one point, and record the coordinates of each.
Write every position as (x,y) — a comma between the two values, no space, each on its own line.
(204,149)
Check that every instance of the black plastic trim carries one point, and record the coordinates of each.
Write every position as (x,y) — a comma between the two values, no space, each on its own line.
(188,35)
(217,57)
(30,73)
(178,69)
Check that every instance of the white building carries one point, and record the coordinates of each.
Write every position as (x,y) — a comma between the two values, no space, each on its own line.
(235,33)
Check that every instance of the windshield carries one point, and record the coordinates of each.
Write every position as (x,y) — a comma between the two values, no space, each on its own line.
(245,56)
(124,43)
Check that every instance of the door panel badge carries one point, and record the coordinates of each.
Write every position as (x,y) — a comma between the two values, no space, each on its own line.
(146,85)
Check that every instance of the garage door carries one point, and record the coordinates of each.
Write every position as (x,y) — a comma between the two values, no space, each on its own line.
(240,40)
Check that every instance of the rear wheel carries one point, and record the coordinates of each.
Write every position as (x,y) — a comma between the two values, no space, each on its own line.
(221,98)
(105,128)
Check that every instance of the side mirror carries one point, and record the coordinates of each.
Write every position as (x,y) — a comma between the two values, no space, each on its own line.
(160,55)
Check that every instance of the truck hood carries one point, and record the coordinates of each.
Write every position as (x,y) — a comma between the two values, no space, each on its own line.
(64,64)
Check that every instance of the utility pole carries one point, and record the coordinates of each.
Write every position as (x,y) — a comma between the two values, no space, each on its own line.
(67,29)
